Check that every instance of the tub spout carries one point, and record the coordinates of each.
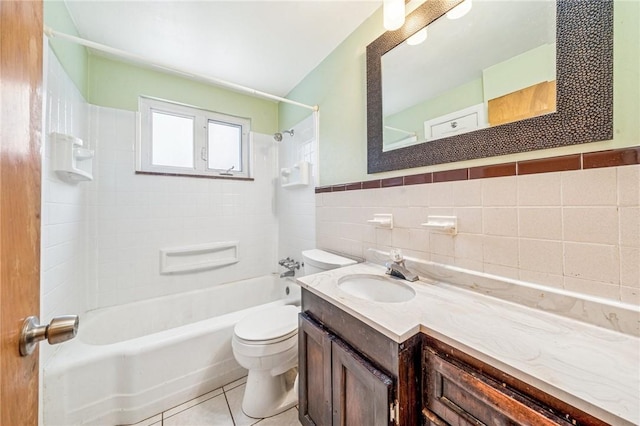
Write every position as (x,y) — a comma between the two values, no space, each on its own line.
(289,273)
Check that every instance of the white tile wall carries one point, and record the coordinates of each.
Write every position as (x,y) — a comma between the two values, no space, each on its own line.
(101,239)
(64,226)
(296,206)
(134,216)
(578,230)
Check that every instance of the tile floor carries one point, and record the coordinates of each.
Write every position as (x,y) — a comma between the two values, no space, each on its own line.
(221,407)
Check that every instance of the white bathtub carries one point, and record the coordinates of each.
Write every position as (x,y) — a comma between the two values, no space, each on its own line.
(132,361)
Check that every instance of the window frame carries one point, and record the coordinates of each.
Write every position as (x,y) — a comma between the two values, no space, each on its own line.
(201,155)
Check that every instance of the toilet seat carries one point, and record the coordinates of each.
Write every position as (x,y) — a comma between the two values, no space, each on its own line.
(268,326)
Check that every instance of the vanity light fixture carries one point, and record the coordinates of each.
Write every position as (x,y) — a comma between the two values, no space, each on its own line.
(393,14)
(418,37)
(460,10)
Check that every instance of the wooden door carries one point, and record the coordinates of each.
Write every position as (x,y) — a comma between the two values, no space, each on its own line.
(362,394)
(20,135)
(314,379)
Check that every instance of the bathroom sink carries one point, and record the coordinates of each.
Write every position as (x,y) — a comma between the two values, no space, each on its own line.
(376,288)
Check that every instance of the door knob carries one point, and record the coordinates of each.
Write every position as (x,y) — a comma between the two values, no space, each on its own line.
(60,330)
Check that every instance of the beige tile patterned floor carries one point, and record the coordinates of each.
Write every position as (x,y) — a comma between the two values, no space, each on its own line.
(221,407)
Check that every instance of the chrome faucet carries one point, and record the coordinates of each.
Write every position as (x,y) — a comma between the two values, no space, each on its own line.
(397,268)
(291,265)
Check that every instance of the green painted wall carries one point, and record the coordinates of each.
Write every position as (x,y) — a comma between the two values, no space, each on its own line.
(338,86)
(72,57)
(532,67)
(117,84)
(413,118)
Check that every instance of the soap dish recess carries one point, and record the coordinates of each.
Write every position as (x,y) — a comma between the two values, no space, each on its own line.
(296,176)
(382,220)
(445,224)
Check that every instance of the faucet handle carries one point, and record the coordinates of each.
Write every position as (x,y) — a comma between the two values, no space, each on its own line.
(396,255)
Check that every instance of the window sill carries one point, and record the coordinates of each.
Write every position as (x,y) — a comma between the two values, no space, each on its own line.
(196,176)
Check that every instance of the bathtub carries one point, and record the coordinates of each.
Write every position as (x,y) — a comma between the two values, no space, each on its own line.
(132,361)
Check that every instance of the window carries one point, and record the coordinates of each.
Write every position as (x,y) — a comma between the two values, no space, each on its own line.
(183,140)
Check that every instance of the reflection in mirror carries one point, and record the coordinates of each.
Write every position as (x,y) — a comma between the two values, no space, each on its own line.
(494,65)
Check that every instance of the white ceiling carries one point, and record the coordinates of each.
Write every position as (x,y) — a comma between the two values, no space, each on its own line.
(265,45)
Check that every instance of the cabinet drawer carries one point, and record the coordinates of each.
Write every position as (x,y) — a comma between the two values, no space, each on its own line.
(458,395)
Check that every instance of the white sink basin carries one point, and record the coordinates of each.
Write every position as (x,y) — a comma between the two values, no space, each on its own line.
(376,288)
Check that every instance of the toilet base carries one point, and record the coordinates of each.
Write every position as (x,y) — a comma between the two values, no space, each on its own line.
(266,395)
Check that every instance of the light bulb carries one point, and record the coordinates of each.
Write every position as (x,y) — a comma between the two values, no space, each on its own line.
(393,13)
(418,37)
(460,10)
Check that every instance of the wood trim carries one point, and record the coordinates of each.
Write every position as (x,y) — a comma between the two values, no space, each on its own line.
(21,25)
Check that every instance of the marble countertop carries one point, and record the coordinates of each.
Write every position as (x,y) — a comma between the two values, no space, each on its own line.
(591,367)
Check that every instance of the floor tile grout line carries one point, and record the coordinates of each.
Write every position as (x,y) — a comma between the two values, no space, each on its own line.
(226,399)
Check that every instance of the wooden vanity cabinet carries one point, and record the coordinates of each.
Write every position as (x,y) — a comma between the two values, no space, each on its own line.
(352,375)
(458,389)
(339,386)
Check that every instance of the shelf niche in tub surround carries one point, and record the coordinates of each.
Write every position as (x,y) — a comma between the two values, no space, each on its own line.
(542,345)
(198,257)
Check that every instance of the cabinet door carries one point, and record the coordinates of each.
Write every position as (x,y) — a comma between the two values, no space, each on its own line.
(362,394)
(459,395)
(314,378)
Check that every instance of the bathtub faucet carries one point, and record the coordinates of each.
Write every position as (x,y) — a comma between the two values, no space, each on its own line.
(291,265)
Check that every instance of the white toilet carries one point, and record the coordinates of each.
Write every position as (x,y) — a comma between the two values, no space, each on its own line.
(266,344)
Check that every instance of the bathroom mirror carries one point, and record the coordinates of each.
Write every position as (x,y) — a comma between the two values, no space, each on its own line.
(579,94)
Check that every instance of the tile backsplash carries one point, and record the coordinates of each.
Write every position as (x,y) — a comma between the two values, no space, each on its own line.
(578,230)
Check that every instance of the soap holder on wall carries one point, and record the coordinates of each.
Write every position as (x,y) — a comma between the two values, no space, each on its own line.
(383,220)
(296,176)
(445,224)
(72,162)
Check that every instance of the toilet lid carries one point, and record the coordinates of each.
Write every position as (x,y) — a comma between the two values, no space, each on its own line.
(268,324)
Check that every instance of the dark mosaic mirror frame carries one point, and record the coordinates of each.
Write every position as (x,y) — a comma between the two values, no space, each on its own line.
(584,76)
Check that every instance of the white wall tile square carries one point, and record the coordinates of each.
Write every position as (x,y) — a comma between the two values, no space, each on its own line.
(502,191)
(541,256)
(591,224)
(500,221)
(593,262)
(629,185)
(593,187)
(540,222)
(630,226)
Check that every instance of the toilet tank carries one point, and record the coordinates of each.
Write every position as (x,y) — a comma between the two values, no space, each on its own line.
(318,261)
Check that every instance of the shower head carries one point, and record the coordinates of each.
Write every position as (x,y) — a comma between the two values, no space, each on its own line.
(278,136)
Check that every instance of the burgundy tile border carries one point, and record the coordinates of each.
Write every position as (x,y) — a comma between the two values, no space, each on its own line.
(553,164)
(372,184)
(618,157)
(494,170)
(418,179)
(394,181)
(588,160)
(451,175)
